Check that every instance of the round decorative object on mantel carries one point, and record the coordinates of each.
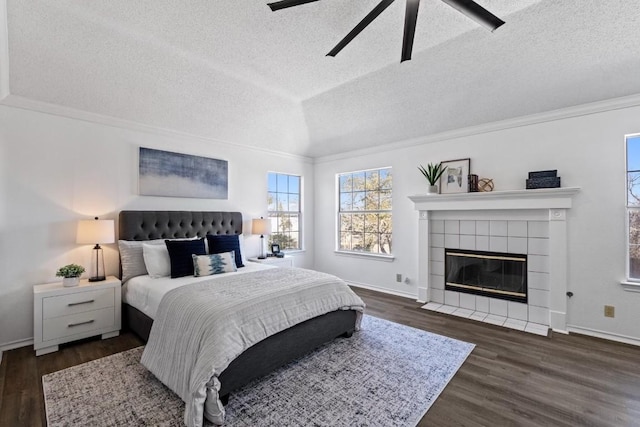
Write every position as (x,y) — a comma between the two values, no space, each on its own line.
(485,185)
(69,282)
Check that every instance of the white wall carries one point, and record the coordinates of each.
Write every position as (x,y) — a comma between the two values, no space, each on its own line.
(588,152)
(55,170)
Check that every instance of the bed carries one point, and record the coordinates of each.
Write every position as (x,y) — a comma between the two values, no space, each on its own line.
(262,357)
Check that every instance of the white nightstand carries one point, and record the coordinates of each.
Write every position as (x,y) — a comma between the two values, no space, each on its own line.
(280,262)
(64,314)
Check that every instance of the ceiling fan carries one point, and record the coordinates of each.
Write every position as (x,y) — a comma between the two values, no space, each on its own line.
(467,7)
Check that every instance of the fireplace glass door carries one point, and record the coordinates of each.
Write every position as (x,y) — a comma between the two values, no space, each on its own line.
(493,274)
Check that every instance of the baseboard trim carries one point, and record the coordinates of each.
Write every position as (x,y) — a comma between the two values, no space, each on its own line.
(383,290)
(604,335)
(571,329)
(16,344)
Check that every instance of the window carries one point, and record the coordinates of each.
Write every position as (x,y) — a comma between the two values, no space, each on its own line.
(633,206)
(364,214)
(284,210)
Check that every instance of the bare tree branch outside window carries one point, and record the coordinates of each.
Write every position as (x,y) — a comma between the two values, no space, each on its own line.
(364,214)
(633,205)
(284,200)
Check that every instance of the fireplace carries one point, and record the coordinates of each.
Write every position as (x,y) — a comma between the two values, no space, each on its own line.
(532,222)
(492,274)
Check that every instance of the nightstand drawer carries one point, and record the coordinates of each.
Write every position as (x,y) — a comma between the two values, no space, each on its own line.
(77,323)
(78,302)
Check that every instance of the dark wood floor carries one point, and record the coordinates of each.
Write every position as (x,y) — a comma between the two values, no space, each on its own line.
(510,379)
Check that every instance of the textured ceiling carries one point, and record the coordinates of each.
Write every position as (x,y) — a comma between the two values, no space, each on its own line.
(235,71)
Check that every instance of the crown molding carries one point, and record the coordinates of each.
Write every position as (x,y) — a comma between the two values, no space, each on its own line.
(6,98)
(4,51)
(16,101)
(548,116)
(24,103)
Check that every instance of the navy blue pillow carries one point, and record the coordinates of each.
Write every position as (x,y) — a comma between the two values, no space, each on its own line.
(220,243)
(180,252)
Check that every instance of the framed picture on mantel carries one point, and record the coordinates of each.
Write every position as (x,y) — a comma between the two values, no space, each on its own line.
(455,178)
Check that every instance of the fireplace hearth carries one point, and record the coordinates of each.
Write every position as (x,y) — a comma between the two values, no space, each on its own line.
(493,274)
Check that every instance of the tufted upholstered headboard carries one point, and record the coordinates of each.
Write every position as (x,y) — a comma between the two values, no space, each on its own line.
(149,225)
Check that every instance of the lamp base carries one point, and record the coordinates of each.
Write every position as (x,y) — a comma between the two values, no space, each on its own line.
(97,272)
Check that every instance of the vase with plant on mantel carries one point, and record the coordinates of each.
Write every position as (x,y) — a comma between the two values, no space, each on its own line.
(432,173)
(70,274)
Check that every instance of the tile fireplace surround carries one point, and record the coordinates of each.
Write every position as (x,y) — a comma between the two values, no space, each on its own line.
(532,222)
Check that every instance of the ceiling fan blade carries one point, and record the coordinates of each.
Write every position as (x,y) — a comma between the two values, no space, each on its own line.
(410,19)
(361,26)
(476,12)
(287,3)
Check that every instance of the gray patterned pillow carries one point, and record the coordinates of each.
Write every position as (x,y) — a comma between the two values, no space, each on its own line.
(132,259)
(206,265)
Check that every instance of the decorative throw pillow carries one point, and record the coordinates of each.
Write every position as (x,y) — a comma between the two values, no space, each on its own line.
(132,259)
(220,243)
(156,259)
(180,256)
(206,265)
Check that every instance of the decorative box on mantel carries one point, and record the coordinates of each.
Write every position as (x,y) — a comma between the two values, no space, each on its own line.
(543,179)
(492,221)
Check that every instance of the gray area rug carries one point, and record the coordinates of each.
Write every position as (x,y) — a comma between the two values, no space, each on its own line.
(385,375)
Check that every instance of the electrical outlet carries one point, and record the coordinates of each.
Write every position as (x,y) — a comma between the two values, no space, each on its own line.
(399,278)
(609,311)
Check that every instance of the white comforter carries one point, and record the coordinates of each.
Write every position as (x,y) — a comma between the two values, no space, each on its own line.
(145,293)
(199,329)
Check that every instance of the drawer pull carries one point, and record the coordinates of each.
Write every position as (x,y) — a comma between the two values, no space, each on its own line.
(71,325)
(71,304)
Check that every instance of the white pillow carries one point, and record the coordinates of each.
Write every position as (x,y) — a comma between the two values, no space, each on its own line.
(156,259)
(242,252)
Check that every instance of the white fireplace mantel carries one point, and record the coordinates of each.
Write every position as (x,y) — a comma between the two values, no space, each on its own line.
(555,201)
(544,198)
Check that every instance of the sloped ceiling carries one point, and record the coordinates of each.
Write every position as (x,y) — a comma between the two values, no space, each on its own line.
(235,71)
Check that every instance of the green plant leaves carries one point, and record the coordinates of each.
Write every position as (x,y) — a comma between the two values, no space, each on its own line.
(433,172)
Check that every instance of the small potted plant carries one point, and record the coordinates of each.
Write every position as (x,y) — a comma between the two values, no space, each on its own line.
(70,274)
(432,172)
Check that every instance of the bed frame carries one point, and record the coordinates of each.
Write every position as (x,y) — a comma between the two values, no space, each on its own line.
(265,356)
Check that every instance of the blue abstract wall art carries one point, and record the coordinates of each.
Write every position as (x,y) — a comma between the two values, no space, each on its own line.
(163,173)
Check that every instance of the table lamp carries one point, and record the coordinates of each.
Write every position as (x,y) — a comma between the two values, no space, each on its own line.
(96,231)
(261,226)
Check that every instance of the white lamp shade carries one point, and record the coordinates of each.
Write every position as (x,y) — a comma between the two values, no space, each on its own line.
(94,231)
(261,226)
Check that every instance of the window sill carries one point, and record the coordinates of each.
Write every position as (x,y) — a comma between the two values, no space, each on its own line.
(293,252)
(378,257)
(631,286)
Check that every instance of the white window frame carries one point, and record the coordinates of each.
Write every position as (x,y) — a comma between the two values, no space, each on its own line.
(299,212)
(628,209)
(338,250)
